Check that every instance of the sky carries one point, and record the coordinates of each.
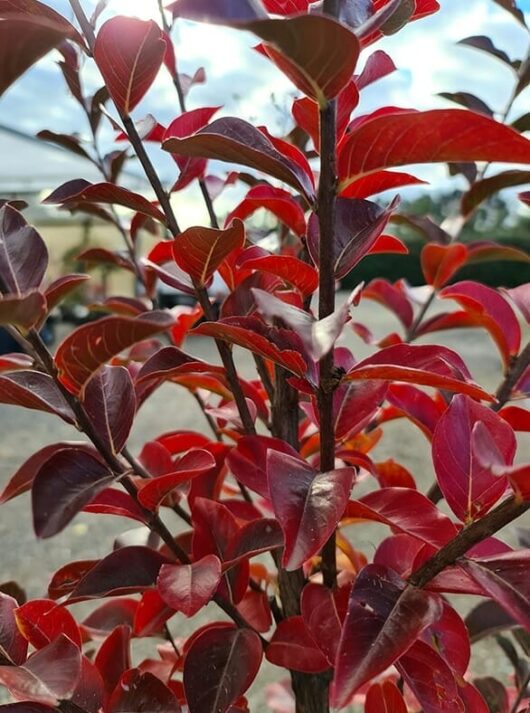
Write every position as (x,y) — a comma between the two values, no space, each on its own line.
(249,86)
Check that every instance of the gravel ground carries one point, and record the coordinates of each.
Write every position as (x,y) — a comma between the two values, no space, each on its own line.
(22,432)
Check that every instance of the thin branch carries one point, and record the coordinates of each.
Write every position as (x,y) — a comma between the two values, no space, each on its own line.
(512,377)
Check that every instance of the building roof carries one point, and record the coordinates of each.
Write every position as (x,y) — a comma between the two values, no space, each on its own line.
(31,166)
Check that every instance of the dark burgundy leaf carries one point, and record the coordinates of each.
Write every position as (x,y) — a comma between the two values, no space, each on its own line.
(255,537)
(307,504)
(61,288)
(110,403)
(64,484)
(321,617)
(189,587)
(129,52)
(80,192)
(470,101)
(99,341)
(24,311)
(383,698)
(142,692)
(34,390)
(70,142)
(511,7)
(293,647)
(485,44)
(129,569)
(219,667)
(89,693)
(13,646)
(248,460)
(234,140)
(49,675)
(114,657)
(482,190)
(494,693)
(23,253)
(385,617)
(358,225)
(116,612)
(467,484)
(486,619)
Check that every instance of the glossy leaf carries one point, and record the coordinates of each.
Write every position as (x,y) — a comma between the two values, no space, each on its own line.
(468,486)
(308,504)
(62,287)
(425,365)
(41,621)
(321,618)
(289,268)
(440,262)
(115,612)
(80,192)
(114,656)
(384,619)
(110,404)
(64,484)
(49,675)
(142,692)
(200,251)
(358,225)
(189,587)
(101,340)
(248,461)
(24,311)
(378,65)
(23,253)
(129,569)
(234,140)
(293,647)
(392,297)
(129,52)
(492,312)
(277,201)
(446,135)
(34,390)
(378,182)
(219,667)
(404,510)
(383,698)
(13,646)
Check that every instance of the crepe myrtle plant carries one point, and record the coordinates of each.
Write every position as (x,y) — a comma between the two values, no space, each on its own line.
(277,476)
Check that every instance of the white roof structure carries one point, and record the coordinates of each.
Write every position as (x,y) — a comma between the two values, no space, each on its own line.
(31,166)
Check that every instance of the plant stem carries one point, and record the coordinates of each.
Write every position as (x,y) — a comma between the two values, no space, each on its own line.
(326,217)
(512,377)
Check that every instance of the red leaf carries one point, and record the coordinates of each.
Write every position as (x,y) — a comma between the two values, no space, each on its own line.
(49,675)
(521,297)
(354,405)
(23,311)
(450,637)
(392,297)
(110,404)
(251,333)
(66,578)
(416,405)
(26,39)
(292,647)
(189,587)
(378,182)
(488,251)
(248,460)
(141,691)
(469,488)
(64,484)
(307,504)
(517,417)
(256,537)
(446,135)
(89,693)
(492,311)
(114,657)
(440,262)
(151,614)
(385,617)
(97,342)
(286,7)
(358,225)
(129,569)
(289,268)
(255,609)
(115,502)
(81,192)
(234,140)
(41,621)
(116,612)
(61,288)
(404,510)
(378,65)
(321,617)
(427,365)
(200,251)
(13,646)
(279,202)
(383,698)
(129,52)
(23,253)
(34,390)
(219,667)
